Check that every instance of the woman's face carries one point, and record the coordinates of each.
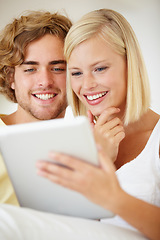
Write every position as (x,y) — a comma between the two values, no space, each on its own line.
(98,76)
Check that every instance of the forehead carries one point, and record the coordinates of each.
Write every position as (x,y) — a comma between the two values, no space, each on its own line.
(48,46)
(92,50)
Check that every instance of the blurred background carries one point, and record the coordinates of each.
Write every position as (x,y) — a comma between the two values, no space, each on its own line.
(143,15)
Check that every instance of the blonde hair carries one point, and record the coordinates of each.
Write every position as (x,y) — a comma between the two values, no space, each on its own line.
(117,32)
(16,35)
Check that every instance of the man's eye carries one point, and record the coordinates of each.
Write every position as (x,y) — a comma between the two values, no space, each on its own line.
(76,73)
(29,70)
(57,69)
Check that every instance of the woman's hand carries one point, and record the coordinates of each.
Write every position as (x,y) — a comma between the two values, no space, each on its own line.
(98,184)
(108,131)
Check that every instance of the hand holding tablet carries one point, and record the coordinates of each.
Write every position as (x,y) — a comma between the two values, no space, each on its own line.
(24,144)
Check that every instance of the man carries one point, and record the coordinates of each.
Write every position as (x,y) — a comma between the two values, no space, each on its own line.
(32,74)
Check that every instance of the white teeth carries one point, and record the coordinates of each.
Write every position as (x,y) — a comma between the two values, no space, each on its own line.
(93,97)
(44,96)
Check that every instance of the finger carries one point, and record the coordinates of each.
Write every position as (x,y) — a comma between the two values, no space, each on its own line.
(75,180)
(69,161)
(54,169)
(114,131)
(112,124)
(107,115)
(58,179)
(119,136)
(114,137)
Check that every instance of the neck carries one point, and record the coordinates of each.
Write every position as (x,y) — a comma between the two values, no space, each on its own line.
(147,121)
(17,118)
(21,116)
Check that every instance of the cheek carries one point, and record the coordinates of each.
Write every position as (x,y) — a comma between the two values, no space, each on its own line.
(19,80)
(60,82)
(76,86)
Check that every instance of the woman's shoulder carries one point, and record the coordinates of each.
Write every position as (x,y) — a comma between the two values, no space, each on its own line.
(150,120)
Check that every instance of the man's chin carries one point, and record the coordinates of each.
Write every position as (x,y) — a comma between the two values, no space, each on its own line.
(46,117)
(49,115)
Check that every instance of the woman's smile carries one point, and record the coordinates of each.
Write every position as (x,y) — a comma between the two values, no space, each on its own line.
(98,75)
(95,98)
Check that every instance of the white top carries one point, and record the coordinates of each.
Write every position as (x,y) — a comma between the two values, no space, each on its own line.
(141,176)
(69,113)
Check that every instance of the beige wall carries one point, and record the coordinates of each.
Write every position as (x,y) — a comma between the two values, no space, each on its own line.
(144,16)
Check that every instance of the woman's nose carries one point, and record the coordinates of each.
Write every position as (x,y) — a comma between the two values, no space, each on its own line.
(89,81)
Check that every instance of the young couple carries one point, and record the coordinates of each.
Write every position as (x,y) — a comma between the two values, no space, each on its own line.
(106,80)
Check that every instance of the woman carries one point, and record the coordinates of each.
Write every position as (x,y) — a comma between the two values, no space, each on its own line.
(107,79)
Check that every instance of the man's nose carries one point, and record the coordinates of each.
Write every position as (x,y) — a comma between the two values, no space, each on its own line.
(45,78)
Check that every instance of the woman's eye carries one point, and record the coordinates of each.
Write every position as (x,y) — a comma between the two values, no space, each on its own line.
(76,73)
(100,69)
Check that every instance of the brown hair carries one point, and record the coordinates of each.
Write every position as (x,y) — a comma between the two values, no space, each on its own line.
(16,35)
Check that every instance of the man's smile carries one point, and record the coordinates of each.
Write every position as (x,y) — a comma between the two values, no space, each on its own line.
(45,96)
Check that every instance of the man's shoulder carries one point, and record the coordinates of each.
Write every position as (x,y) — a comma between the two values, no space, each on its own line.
(1,122)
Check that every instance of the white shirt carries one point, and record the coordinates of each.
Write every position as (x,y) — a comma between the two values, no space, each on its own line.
(141,176)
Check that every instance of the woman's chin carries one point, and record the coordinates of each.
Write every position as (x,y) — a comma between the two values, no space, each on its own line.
(96,113)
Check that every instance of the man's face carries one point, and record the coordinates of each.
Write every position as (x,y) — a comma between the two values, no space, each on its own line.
(40,81)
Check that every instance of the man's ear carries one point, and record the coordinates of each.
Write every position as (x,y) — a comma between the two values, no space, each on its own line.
(11,78)
(12,85)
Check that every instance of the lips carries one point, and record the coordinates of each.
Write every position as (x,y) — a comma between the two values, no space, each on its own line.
(46,96)
(95,96)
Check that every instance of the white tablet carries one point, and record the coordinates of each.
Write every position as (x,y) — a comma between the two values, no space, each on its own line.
(23,144)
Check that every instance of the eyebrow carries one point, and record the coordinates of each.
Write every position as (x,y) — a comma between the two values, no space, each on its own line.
(73,68)
(92,65)
(50,63)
